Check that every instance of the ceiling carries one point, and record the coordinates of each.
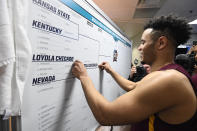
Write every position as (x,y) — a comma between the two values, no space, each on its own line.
(131,15)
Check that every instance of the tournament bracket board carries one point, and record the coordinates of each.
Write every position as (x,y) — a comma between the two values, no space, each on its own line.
(61,32)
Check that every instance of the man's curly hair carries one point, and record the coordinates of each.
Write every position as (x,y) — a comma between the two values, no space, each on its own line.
(175,29)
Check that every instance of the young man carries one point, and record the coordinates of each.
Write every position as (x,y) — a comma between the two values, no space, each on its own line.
(163,100)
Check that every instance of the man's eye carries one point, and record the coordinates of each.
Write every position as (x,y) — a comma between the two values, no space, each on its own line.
(142,42)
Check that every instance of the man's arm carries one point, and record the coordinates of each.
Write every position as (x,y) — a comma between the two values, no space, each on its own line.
(153,94)
(123,83)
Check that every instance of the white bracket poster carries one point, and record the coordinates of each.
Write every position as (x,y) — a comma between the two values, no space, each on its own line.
(61,32)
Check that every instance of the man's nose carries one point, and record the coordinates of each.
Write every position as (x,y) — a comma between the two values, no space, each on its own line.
(140,47)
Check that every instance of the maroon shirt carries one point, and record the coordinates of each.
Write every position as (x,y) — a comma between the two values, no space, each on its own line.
(154,123)
(194,80)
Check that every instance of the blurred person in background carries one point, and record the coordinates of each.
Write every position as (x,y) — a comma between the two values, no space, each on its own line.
(138,72)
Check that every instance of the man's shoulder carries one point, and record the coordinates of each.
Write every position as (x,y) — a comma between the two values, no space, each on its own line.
(166,83)
(170,74)
(167,79)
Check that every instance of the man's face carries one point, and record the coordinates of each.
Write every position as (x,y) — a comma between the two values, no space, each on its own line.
(195,48)
(146,48)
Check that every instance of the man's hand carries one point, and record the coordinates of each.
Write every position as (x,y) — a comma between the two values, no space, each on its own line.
(79,70)
(105,66)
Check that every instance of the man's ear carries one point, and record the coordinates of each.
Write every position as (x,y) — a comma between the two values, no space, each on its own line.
(162,42)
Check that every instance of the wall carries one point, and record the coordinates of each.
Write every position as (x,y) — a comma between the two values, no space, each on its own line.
(136,42)
(193,38)
(60,33)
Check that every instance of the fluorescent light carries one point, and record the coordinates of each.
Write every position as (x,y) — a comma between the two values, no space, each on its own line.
(182,46)
(193,22)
